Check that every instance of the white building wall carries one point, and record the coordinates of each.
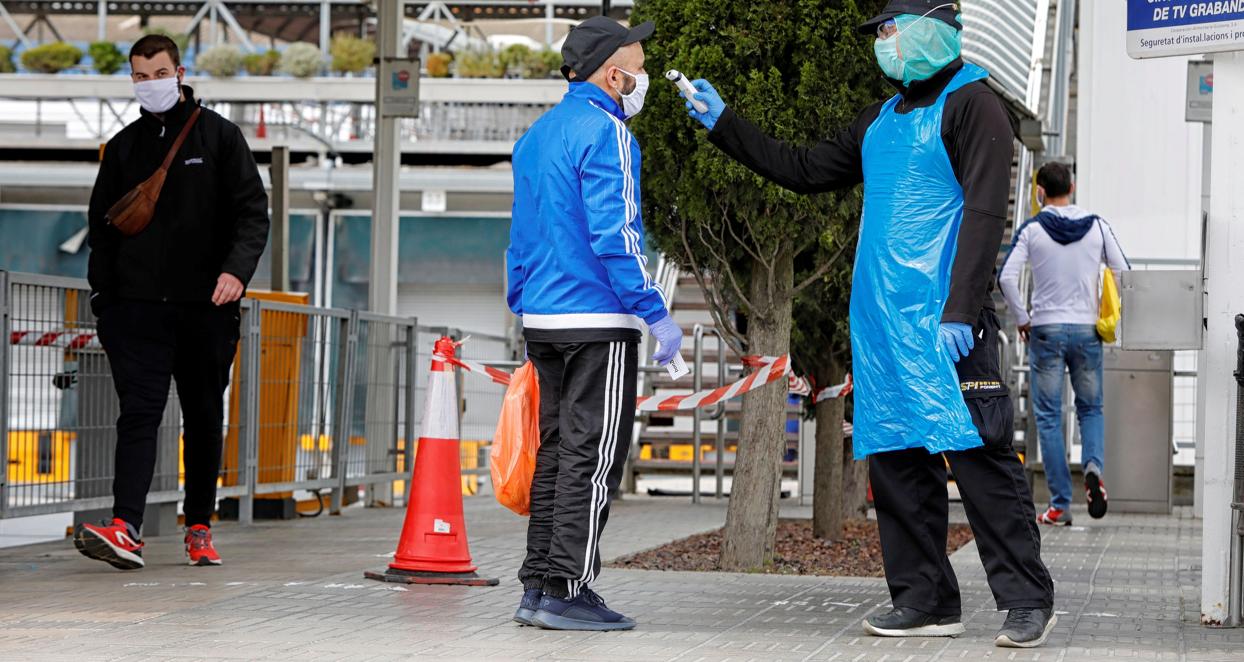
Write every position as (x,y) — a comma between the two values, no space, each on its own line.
(1138,162)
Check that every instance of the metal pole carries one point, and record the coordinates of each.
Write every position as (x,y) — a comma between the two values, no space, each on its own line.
(248,438)
(280,218)
(102,33)
(5,370)
(548,23)
(326,31)
(412,376)
(382,293)
(698,383)
(343,413)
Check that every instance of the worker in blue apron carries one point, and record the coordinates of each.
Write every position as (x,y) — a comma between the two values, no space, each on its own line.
(935,161)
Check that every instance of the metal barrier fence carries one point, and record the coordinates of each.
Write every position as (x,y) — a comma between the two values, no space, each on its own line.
(320,400)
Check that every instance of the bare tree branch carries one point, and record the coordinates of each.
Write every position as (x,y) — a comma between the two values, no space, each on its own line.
(724,268)
(825,266)
(725,220)
(717,303)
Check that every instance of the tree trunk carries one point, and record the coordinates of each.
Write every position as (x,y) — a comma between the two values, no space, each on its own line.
(855,485)
(751,520)
(828,505)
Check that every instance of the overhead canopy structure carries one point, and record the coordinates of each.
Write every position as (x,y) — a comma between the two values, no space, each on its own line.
(1008,37)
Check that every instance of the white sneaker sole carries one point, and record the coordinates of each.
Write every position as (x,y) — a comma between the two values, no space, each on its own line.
(1003,641)
(949,630)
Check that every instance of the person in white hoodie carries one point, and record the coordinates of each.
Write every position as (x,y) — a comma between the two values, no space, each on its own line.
(1066,246)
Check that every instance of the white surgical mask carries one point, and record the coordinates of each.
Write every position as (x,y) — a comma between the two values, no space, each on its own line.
(158,95)
(634,102)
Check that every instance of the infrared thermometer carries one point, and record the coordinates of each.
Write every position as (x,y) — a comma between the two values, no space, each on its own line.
(676,77)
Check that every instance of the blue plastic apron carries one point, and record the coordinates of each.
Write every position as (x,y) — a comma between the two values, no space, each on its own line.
(906,389)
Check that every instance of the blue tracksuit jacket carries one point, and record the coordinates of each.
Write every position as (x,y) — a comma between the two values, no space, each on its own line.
(576,264)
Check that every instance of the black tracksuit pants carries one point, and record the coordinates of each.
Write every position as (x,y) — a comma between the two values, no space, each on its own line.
(587,410)
(909,492)
(148,343)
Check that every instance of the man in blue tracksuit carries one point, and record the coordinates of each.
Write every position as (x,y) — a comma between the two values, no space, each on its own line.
(578,278)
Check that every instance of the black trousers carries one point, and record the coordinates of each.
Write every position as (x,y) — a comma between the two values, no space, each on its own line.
(149,343)
(587,410)
(909,492)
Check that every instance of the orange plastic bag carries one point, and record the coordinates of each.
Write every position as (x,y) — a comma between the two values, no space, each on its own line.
(512,457)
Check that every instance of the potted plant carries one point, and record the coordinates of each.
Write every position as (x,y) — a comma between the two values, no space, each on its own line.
(514,59)
(301,60)
(51,58)
(261,64)
(220,61)
(542,64)
(6,60)
(352,55)
(479,64)
(438,64)
(106,58)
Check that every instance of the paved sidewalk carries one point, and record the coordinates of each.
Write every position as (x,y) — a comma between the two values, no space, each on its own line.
(1128,587)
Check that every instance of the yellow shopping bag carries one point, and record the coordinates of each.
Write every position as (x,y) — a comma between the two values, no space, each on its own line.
(1111,308)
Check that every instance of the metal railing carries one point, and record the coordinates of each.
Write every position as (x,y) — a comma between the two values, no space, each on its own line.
(320,399)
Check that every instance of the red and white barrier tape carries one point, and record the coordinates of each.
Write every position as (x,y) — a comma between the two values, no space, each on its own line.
(771,369)
(830,392)
(62,338)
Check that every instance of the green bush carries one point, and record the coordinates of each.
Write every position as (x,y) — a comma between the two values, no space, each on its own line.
(438,64)
(51,58)
(220,61)
(301,60)
(6,60)
(261,64)
(352,55)
(180,38)
(479,64)
(106,57)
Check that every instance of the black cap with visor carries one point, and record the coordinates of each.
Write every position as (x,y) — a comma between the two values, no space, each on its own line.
(945,12)
(591,43)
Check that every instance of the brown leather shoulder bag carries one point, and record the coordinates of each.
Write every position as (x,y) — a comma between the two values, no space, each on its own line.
(132,213)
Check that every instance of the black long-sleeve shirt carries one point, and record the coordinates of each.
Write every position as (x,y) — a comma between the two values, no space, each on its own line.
(978,137)
(211,217)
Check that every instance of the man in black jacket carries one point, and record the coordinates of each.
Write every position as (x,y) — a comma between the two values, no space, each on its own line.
(167,297)
(935,162)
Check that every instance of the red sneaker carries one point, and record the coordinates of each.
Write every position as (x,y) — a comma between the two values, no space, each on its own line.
(1055,517)
(116,544)
(199,546)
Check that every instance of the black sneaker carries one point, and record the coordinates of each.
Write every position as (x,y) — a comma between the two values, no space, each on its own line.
(528,605)
(908,622)
(1026,628)
(587,611)
(1096,495)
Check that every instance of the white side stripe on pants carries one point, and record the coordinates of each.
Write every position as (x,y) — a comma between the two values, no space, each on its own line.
(614,380)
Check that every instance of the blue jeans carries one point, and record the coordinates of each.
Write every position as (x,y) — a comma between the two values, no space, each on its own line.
(1076,346)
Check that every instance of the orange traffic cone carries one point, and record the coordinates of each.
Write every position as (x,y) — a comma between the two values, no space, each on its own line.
(433,547)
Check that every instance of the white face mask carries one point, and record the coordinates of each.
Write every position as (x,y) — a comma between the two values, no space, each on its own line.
(157,96)
(634,102)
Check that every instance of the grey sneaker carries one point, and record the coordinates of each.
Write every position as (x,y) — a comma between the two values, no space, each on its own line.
(1026,628)
(908,622)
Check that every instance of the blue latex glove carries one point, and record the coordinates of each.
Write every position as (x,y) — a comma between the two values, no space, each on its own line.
(957,337)
(669,335)
(709,96)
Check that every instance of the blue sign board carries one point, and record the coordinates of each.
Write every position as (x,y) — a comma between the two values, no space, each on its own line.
(1162,28)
